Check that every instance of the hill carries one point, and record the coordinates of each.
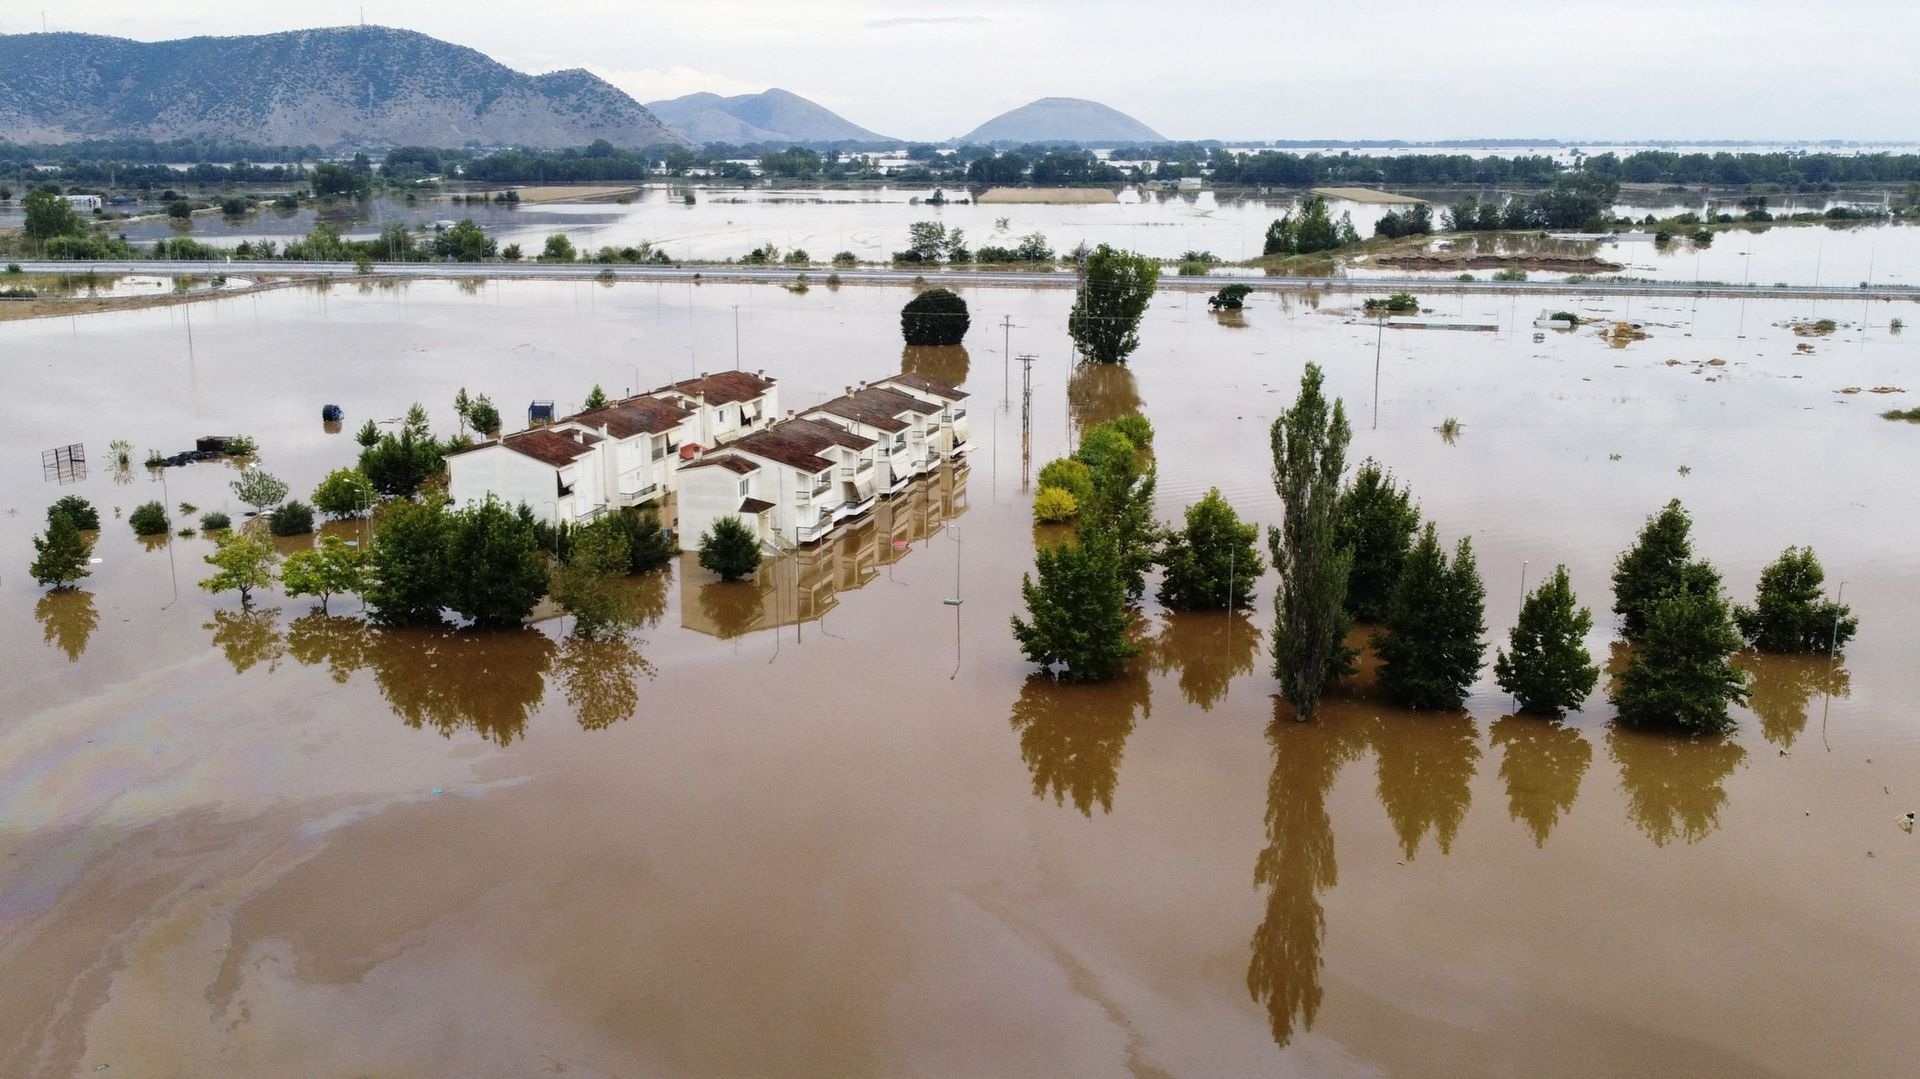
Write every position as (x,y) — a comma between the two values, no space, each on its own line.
(772,116)
(1064,119)
(352,86)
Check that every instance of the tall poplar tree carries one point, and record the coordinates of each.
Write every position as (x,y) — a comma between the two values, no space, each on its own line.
(1310,618)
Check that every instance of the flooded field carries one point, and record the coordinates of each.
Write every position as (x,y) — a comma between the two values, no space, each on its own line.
(725,223)
(824,823)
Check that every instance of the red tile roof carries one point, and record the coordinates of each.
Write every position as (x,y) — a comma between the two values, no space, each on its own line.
(876,406)
(634,416)
(722,387)
(555,448)
(728,462)
(797,443)
(928,385)
(755,506)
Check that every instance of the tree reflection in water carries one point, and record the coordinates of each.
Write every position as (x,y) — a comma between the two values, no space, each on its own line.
(1783,687)
(338,641)
(1673,781)
(1208,648)
(599,679)
(1543,763)
(730,609)
(1072,736)
(448,679)
(1425,765)
(1297,863)
(249,637)
(644,596)
(948,363)
(67,620)
(1098,392)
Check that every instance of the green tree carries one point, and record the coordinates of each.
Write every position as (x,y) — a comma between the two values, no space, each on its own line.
(464,242)
(407,568)
(1310,617)
(1658,565)
(367,435)
(79,510)
(1115,288)
(558,249)
(730,549)
(1280,239)
(1052,505)
(1549,669)
(648,545)
(49,216)
(241,563)
(292,519)
(1791,612)
(483,417)
(584,585)
(398,464)
(345,492)
(1077,608)
(60,556)
(149,519)
(1213,564)
(497,571)
(1679,671)
(596,398)
(1122,501)
(1069,475)
(1376,520)
(259,488)
(332,569)
(934,317)
(1430,652)
(1315,230)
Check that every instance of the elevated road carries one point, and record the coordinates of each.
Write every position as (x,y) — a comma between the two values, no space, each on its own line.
(536,271)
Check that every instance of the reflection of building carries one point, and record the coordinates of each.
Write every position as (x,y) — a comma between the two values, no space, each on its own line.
(805,584)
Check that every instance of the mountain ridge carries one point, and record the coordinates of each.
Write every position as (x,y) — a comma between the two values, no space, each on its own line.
(773,115)
(338,86)
(1063,119)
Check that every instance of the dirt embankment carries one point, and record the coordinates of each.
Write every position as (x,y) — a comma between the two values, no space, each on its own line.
(1456,263)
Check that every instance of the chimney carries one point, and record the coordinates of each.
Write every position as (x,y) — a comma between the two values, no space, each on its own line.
(849,391)
(789,413)
(863,385)
(703,374)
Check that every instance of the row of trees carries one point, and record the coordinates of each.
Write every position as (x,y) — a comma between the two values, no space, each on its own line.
(1313,230)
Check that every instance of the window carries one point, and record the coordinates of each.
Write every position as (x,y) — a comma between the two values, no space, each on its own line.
(743,488)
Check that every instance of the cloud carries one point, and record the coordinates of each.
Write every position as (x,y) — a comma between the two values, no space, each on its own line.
(657,84)
(891,21)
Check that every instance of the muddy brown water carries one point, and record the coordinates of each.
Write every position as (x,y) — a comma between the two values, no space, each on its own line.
(826,823)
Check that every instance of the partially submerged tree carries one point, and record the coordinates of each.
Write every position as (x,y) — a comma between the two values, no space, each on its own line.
(934,317)
(584,586)
(1377,521)
(1310,618)
(1549,669)
(1679,671)
(1659,564)
(60,556)
(1077,615)
(1791,612)
(292,519)
(332,569)
(1431,650)
(497,574)
(149,519)
(1121,501)
(259,488)
(648,545)
(78,510)
(730,549)
(345,492)
(407,568)
(241,564)
(1213,563)
(1115,288)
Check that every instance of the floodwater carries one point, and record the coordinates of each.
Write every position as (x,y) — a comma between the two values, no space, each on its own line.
(826,823)
(872,223)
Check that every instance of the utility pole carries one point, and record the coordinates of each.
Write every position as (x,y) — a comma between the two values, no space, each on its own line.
(1006,360)
(1379,331)
(1026,421)
(736,337)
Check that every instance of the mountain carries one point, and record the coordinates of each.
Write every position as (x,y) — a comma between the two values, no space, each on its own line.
(773,116)
(1064,119)
(367,86)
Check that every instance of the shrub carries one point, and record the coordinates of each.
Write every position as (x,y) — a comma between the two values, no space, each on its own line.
(1431,650)
(1230,297)
(1678,672)
(149,519)
(60,556)
(1051,505)
(1068,475)
(1512,273)
(1549,669)
(1400,303)
(292,519)
(76,509)
(730,549)
(1213,564)
(242,446)
(845,259)
(935,317)
(1790,613)
(345,492)
(1137,429)
(215,521)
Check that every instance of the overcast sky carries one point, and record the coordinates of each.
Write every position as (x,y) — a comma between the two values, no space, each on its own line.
(1573,69)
